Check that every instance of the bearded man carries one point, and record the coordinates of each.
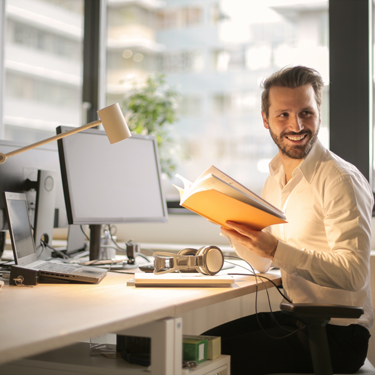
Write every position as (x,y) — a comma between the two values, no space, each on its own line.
(322,251)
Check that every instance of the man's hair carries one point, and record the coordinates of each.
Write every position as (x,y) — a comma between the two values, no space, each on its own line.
(292,77)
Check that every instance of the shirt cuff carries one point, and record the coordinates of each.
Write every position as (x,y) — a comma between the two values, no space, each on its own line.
(287,257)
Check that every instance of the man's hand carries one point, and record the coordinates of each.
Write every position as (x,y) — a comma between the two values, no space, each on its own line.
(261,243)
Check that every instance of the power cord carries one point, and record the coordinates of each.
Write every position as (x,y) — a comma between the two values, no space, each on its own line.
(110,227)
(254,274)
(84,233)
(44,245)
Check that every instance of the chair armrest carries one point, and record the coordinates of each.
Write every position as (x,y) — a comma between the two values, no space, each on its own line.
(311,310)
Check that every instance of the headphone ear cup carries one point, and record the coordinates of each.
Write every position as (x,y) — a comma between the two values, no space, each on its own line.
(189,252)
(213,260)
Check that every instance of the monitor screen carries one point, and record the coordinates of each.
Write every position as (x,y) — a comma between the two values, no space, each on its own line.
(111,183)
(19,174)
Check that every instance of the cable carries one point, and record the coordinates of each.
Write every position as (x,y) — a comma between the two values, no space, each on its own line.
(254,274)
(84,233)
(43,248)
(263,277)
(110,227)
(144,257)
(268,297)
(44,245)
(113,240)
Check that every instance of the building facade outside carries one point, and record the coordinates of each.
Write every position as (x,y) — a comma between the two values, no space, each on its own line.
(215,53)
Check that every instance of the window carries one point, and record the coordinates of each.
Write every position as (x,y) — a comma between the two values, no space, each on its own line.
(221,50)
(179,17)
(43,68)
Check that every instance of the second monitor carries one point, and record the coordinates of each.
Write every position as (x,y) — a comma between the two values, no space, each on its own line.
(107,183)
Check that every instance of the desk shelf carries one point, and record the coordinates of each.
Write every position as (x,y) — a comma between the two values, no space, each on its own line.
(76,359)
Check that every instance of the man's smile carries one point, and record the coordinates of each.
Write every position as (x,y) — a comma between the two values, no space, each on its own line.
(296,138)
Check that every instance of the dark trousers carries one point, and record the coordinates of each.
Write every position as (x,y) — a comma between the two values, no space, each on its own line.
(253,351)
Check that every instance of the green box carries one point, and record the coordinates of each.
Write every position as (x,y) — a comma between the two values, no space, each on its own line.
(213,345)
(194,349)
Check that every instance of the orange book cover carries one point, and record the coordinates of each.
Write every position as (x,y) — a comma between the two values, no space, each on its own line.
(219,198)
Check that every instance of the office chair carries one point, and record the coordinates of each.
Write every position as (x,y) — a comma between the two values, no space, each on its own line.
(316,318)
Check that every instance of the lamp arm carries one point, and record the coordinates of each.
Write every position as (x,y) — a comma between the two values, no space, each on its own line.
(3,157)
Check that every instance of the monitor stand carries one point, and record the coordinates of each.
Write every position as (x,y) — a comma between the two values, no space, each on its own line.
(44,211)
(95,244)
(95,241)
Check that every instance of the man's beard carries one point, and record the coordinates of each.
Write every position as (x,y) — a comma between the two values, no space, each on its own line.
(295,152)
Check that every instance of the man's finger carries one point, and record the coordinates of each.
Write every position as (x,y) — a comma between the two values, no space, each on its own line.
(240,228)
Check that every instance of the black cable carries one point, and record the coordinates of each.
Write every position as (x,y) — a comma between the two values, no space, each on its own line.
(268,297)
(110,227)
(263,277)
(43,248)
(84,233)
(254,274)
(44,244)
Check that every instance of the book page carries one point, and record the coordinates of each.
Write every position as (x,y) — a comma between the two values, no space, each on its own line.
(212,182)
(229,180)
(211,170)
(187,185)
(186,182)
(181,191)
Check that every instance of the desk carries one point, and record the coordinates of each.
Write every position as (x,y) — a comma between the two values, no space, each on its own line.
(49,316)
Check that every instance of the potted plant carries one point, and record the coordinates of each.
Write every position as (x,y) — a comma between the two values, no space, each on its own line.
(150,108)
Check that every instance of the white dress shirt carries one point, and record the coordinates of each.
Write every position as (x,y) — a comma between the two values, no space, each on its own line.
(324,249)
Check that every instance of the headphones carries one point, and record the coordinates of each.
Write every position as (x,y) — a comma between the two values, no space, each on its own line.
(207,260)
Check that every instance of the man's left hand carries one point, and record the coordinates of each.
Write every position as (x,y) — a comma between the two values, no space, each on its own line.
(260,242)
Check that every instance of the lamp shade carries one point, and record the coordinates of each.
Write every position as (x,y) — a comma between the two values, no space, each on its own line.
(112,119)
(114,123)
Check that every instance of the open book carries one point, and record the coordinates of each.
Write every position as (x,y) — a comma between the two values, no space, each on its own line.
(218,198)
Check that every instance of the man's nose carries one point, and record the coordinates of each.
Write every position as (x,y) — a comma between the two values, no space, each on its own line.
(296,124)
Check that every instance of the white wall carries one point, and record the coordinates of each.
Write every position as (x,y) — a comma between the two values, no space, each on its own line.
(181,229)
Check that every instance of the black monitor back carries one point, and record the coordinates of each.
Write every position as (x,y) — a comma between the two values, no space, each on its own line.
(20,173)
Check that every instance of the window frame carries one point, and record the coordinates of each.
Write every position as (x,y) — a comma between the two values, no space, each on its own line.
(351,95)
(350,30)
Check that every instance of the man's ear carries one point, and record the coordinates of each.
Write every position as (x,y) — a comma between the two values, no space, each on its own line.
(265,120)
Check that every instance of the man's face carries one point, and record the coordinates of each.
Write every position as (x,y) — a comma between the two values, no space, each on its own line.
(293,120)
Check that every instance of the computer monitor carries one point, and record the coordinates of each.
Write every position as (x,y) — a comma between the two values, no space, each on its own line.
(107,183)
(36,173)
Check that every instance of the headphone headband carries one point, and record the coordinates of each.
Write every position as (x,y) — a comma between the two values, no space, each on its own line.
(207,260)
(174,262)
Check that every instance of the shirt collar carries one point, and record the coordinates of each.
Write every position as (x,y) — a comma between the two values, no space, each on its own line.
(308,167)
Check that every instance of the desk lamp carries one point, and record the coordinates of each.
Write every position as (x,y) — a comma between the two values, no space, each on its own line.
(112,119)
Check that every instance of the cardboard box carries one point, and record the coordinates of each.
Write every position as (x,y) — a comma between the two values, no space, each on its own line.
(194,349)
(213,345)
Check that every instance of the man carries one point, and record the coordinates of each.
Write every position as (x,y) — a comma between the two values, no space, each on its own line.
(323,251)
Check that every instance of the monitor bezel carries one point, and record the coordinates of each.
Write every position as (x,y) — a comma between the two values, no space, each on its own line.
(118,220)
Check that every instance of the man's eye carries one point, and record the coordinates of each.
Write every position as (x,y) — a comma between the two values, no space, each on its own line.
(284,115)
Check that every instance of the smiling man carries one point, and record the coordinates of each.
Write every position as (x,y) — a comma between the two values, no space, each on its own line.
(323,251)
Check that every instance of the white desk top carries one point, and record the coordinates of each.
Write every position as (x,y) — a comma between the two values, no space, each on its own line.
(48,316)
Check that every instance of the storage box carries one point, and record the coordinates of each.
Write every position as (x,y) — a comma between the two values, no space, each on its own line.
(194,349)
(213,345)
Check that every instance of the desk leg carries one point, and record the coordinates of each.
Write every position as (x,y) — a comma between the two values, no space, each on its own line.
(166,344)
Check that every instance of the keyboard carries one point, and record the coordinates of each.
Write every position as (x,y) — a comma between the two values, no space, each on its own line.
(57,267)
